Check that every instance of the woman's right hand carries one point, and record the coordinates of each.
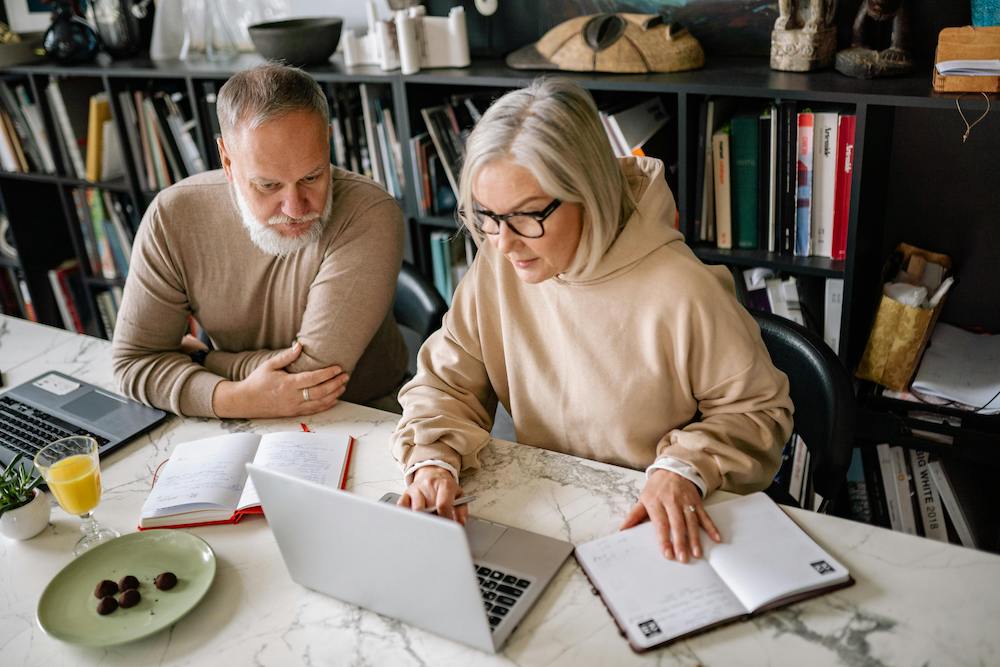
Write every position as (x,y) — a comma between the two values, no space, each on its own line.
(433,486)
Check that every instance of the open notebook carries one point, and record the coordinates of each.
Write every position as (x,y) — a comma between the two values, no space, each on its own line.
(764,562)
(205,481)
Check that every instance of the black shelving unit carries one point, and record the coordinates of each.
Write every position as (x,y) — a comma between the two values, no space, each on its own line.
(911,171)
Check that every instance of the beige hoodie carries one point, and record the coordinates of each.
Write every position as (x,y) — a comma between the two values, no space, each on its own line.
(649,355)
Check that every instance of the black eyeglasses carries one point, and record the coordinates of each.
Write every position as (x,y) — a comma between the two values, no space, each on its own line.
(523,223)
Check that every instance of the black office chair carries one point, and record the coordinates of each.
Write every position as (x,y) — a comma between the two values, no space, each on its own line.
(418,308)
(823,395)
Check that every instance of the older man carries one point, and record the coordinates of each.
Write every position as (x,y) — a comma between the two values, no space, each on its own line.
(287,263)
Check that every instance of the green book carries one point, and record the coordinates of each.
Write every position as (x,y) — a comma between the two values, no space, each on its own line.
(745,156)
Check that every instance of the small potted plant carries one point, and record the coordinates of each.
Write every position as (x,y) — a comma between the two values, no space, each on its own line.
(24,509)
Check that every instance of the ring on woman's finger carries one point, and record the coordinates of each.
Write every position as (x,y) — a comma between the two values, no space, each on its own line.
(691,508)
(305,394)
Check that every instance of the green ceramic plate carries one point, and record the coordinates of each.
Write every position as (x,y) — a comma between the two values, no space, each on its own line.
(67,609)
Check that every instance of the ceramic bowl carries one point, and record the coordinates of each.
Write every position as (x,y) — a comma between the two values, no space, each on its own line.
(301,41)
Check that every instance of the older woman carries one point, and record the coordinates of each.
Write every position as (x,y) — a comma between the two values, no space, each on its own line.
(588,317)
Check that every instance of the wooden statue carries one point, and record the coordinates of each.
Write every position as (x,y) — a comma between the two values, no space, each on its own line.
(803,40)
(867,60)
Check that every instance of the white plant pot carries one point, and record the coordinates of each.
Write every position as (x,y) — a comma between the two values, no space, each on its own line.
(28,520)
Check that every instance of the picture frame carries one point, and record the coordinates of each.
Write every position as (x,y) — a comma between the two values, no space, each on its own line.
(25,16)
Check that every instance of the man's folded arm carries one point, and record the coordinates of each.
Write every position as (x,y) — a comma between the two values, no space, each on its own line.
(348,299)
(148,363)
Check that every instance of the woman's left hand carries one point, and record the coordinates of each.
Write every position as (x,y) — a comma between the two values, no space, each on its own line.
(674,506)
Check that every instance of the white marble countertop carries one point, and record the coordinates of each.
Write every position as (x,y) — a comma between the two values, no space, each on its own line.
(916,601)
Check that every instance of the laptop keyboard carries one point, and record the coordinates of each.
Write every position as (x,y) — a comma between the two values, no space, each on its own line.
(500,592)
(26,429)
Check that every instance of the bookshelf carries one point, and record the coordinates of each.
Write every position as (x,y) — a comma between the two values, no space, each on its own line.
(914,181)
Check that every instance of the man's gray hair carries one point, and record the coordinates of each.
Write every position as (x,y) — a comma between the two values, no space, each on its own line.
(552,128)
(254,96)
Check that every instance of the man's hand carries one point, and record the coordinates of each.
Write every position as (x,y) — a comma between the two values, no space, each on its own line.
(433,486)
(271,391)
(674,506)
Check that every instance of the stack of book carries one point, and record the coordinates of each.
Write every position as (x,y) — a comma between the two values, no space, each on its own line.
(782,295)
(107,229)
(364,138)
(775,179)
(910,491)
(161,137)
(24,141)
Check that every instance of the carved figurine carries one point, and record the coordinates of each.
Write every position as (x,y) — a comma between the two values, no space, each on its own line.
(803,40)
(866,60)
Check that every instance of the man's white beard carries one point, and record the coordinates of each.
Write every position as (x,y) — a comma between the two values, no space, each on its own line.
(270,240)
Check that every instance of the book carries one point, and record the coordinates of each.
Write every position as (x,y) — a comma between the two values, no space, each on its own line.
(744,170)
(833,305)
(804,196)
(767,182)
(928,500)
(764,562)
(845,169)
(904,490)
(859,502)
(205,481)
(951,503)
(64,125)
(889,485)
(100,111)
(824,181)
(787,175)
(633,126)
(721,186)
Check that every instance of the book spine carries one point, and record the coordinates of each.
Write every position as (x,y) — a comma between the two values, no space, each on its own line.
(745,146)
(95,137)
(833,305)
(951,504)
(889,485)
(804,179)
(707,176)
(698,231)
(723,207)
(904,494)
(788,177)
(824,183)
(845,171)
(66,126)
(28,304)
(931,515)
(60,299)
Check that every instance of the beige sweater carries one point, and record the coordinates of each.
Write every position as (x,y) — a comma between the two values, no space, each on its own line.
(192,256)
(650,355)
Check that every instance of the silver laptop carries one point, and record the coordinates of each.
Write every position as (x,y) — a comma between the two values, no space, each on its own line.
(54,405)
(472,584)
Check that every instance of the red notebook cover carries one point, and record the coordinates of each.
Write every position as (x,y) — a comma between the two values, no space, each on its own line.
(256,509)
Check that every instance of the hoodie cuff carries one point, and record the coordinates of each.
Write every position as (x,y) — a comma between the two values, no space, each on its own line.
(408,473)
(682,468)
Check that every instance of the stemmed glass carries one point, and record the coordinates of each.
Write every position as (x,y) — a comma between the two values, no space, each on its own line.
(72,471)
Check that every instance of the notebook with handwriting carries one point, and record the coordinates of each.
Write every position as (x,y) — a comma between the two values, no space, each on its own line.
(765,561)
(205,481)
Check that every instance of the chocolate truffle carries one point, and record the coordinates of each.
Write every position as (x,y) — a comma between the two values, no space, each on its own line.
(105,588)
(165,581)
(107,605)
(129,598)
(127,582)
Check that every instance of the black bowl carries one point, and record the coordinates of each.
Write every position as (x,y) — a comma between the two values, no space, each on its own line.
(305,41)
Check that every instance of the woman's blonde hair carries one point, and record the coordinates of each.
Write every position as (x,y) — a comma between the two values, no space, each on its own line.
(552,129)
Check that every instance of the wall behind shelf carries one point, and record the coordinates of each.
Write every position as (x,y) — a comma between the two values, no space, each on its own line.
(944,195)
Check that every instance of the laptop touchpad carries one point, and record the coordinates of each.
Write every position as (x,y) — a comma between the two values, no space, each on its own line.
(92,406)
(482,535)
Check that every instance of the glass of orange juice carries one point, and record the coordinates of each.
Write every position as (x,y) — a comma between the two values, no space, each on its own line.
(71,470)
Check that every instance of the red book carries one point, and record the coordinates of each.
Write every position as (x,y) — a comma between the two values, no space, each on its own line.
(205,482)
(845,170)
